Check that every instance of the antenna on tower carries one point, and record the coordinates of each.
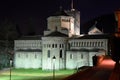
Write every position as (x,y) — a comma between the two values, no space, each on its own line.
(72,6)
(60,8)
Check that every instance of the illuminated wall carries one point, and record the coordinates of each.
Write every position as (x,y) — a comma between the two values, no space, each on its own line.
(53,46)
(61,23)
(76,15)
(76,59)
(27,59)
(28,54)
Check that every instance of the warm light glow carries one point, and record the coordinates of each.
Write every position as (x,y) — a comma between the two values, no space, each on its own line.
(107,63)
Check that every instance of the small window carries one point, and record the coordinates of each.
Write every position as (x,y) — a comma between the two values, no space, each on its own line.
(98,44)
(55,45)
(87,44)
(35,56)
(71,44)
(84,44)
(81,56)
(60,53)
(71,56)
(81,44)
(101,44)
(48,53)
(95,44)
(60,45)
(52,45)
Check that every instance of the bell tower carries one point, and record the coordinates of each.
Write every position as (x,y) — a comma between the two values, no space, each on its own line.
(76,15)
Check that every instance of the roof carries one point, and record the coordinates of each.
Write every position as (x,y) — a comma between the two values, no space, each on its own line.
(56,34)
(29,50)
(98,36)
(36,37)
(87,50)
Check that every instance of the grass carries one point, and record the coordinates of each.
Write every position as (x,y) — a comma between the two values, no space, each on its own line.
(34,74)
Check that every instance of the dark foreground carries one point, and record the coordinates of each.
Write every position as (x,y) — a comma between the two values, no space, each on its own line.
(101,72)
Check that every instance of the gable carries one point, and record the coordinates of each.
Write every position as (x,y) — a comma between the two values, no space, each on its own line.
(94,31)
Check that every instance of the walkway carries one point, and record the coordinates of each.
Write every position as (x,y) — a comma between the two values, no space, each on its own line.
(101,72)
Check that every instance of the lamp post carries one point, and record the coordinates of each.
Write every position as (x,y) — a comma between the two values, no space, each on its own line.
(54,58)
(10,67)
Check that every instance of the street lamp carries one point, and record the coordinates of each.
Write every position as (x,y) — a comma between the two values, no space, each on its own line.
(54,58)
(10,67)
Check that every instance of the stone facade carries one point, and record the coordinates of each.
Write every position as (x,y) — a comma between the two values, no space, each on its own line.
(62,40)
(27,53)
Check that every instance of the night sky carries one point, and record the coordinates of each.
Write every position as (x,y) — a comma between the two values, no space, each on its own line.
(36,12)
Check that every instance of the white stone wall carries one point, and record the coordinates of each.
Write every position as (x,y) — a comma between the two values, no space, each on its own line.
(91,54)
(27,44)
(62,23)
(89,44)
(27,54)
(27,60)
(76,59)
(76,15)
(54,45)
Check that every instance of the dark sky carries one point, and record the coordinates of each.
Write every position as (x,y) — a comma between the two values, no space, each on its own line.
(37,11)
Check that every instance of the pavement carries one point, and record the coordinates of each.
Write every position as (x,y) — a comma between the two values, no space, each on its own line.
(101,72)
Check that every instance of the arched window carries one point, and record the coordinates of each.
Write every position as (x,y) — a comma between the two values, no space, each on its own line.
(35,56)
(87,44)
(60,53)
(48,54)
(55,45)
(71,56)
(101,44)
(60,45)
(76,44)
(69,45)
(81,56)
(98,44)
(84,44)
(52,45)
(90,44)
(81,44)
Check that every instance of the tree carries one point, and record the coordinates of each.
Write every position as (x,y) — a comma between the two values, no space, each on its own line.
(8,34)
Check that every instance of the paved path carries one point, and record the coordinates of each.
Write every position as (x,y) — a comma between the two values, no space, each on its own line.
(101,72)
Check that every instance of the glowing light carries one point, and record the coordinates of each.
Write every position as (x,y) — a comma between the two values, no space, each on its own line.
(107,63)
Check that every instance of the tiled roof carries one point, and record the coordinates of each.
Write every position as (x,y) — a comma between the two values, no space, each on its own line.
(37,37)
(87,50)
(29,50)
(99,36)
(56,34)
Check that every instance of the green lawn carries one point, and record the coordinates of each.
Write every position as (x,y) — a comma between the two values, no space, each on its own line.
(34,74)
